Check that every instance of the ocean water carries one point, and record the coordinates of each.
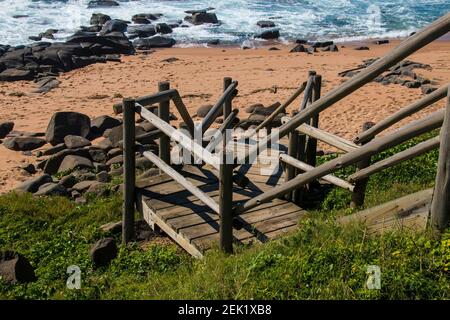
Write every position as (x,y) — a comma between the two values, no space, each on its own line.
(339,20)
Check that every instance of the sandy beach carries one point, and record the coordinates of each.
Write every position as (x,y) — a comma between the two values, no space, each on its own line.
(265,76)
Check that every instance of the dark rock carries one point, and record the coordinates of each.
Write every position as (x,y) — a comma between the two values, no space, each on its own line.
(265,24)
(63,124)
(154,42)
(143,163)
(114,25)
(299,48)
(104,145)
(144,18)
(331,48)
(95,28)
(51,189)
(116,160)
(301,41)
(202,18)
(381,42)
(213,42)
(68,181)
(427,89)
(98,155)
(163,28)
(99,19)
(83,185)
(53,150)
(5,128)
(75,142)
(33,184)
(102,4)
(322,44)
(147,126)
(54,162)
(98,189)
(46,84)
(29,167)
(142,31)
(253,107)
(115,135)
(102,123)
(268,34)
(24,143)
(203,110)
(114,153)
(103,252)
(16,75)
(199,10)
(103,176)
(274,49)
(72,162)
(412,84)
(15,268)
(362,48)
(311,50)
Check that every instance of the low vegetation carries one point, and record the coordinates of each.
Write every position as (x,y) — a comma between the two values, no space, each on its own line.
(322,260)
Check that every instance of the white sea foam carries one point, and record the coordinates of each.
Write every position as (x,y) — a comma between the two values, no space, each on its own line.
(342,20)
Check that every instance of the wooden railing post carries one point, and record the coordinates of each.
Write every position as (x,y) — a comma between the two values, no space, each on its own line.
(293,152)
(129,163)
(164,114)
(227,106)
(311,153)
(359,193)
(440,205)
(226,201)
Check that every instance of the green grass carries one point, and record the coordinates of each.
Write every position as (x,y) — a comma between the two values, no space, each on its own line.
(322,260)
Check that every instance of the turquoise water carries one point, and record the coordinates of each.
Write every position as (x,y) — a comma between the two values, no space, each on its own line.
(340,20)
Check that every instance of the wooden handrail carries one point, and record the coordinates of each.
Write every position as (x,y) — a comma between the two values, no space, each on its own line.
(432,32)
(182,180)
(215,139)
(176,135)
(145,101)
(404,155)
(306,167)
(405,133)
(414,107)
(324,136)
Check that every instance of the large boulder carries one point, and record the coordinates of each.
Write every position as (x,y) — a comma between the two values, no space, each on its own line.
(163,28)
(114,25)
(24,143)
(52,189)
(16,75)
(144,18)
(103,252)
(202,17)
(102,123)
(71,163)
(15,268)
(269,34)
(33,184)
(63,124)
(99,19)
(115,135)
(54,162)
(5,128)
(154,42)
(141,31)
(265,24)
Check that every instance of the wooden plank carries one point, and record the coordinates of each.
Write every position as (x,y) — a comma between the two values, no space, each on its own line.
(164,114)
(440,205)
(152,218)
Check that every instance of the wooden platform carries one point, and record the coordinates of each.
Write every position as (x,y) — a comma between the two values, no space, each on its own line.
(195,227)
(409,212)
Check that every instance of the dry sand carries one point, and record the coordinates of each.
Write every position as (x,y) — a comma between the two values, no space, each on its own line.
(198,76)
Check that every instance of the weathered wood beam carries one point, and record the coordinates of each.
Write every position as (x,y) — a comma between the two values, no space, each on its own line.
(177,177)
(176,135)
(407,154)
(433,31)
(306,167)
(164,114)
(226,203)
(283,107)
(145,101)
(227,124)
(129,165)
(227,106)
(414,107)
(182,110)
(208,120)
(440,205)
(412,130)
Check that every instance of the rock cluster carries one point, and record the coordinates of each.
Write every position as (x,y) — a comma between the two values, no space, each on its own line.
(402,73)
